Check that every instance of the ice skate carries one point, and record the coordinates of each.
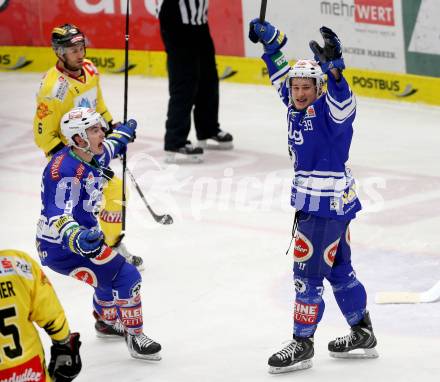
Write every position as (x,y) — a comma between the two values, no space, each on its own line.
(142,347)
(221,141)
(104,330)
(137,261)
(295,356)
(360,343)
(184,154)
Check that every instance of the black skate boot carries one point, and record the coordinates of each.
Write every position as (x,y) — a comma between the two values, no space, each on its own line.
(185,154)
(221,141)
(104,330)
(295,356)
(360,343)
(142,347)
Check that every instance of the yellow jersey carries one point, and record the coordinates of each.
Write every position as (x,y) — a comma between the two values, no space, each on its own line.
(59,93)
(26,296)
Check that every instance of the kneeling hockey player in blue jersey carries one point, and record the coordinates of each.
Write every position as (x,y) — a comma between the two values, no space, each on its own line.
(323,194)
(69,240)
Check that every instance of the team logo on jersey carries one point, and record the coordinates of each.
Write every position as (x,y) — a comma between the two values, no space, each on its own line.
(90,180)
(330,253)
(334,204)
(306,313)
(300,286)
(105,256)
(310,112)
(303,249)
(136,289)
(43,110)
(86,275)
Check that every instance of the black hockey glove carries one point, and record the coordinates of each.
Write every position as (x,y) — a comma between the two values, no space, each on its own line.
(65,361)
(329,56)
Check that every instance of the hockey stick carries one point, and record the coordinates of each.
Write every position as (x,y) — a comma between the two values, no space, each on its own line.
(263,11)
(162,219)
(431,295)
(252,35)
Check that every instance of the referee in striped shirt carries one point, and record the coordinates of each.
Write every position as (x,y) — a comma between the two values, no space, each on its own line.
(193,78)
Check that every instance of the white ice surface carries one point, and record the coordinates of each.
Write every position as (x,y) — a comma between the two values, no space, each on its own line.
(217,291)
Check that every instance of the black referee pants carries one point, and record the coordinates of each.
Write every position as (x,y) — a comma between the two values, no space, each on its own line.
(193,83)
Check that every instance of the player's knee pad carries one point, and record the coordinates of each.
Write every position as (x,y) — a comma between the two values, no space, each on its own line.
(351,298)
(126,291)
(309,305)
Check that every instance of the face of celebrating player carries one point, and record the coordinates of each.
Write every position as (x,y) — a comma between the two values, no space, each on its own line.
(303,91)
(96,136)
(74,57)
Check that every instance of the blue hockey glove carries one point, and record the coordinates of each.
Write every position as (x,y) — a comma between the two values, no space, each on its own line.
(83,241)
(329,56)
(273,39)
(124,133)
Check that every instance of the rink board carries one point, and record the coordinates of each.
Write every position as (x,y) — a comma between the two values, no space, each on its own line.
(375,84)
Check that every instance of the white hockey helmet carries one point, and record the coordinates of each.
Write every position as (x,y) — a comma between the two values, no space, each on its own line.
(77,121)
(307,69)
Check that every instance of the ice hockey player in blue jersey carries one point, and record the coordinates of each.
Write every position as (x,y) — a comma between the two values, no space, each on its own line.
(69,240)
(320,130)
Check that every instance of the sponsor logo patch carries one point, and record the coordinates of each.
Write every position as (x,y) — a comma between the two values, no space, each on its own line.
(55,167)
(303,249)
(86,275)
(31,371)
(105,256)
(111,216)
(306,313)
(310,112)
(330,253)
(380,12)
(43,111)
(60,89)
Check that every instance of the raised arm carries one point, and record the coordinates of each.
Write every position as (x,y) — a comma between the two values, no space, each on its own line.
(340,101)
(277,65)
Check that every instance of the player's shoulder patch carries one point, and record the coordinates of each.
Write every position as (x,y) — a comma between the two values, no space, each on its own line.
(60,88)
(90,66)
(310,112)
(79,173)
(55,166)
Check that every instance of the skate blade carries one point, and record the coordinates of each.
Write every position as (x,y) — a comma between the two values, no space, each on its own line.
(147,357)
(109,337)
(214,145)
(177,158)
(357,353)
(306,364)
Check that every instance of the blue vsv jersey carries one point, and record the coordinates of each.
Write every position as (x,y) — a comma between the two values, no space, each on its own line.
(319,139)
(72,188)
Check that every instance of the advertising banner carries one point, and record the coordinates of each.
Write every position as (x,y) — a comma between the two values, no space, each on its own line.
(30,22)
(371,31)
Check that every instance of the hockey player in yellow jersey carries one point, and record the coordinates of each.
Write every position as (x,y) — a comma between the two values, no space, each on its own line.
(74,82)
(26,296)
